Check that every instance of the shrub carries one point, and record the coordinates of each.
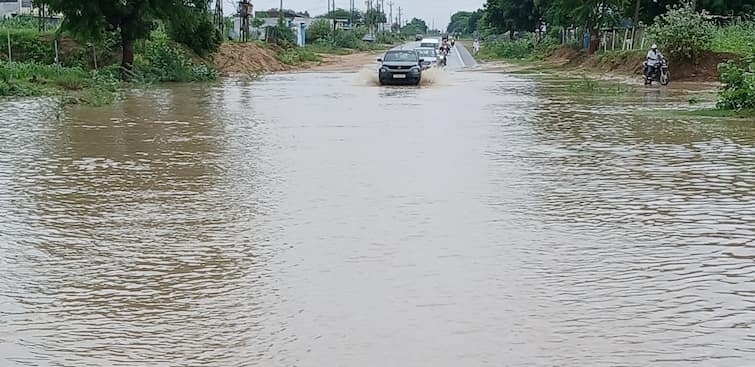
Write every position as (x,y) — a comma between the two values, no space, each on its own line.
(518,49)
(320,29)
(738,91)
(196,32)
(296,55)
(164,62)
(738,38)
(280,35)
(682,32)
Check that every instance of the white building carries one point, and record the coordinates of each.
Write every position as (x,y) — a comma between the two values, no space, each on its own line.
(11,8)
(298,22)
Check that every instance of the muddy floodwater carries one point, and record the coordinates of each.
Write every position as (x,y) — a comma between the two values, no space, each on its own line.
(316,219)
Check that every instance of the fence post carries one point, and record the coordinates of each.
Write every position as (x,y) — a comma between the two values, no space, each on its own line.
(613,40)
(10,58)
(57,55)
(94,56)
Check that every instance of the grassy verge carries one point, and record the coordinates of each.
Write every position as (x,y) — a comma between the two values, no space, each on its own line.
(73,84)
(712,113)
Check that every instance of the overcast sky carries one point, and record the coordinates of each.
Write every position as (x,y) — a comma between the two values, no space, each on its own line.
(430,10)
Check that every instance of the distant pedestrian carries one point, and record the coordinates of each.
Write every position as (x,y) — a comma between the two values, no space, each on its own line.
(476,46)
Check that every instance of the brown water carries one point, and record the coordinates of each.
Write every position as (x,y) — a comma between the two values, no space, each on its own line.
(308,220)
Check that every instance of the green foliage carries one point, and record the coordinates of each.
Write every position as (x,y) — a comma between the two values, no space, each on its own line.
(320,29)
(593,87)
(296,55)
(28,45)
(90,87)
(162,61)
(374,16)
(738,38)
(683,33)
(460,23)
(280,35)
(518,49)
(738,91)
(592,14)
(510,15)
(194,28)
(414,27)
(19,22)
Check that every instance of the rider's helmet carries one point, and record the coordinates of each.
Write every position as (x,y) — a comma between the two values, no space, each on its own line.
(654,47)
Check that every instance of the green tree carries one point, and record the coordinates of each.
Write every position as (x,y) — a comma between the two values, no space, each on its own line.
(132,19)
(460,23)
(320,29)
(510,15)
(415,26)
(591,14)
(683,33)
(374,16)
(193,26)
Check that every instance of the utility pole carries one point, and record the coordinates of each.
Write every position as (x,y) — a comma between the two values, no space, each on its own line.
(218,16)
(390,17)
(399,19)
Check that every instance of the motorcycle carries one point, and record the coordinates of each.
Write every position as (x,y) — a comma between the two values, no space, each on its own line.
(442,59)
(660,73)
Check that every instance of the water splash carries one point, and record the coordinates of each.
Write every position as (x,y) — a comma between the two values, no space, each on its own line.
(432,76)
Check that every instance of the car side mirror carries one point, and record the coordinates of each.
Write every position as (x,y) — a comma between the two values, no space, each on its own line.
(421,61)
(380,59)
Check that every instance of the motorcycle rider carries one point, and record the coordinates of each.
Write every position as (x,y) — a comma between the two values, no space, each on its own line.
(476,46)
(654,59)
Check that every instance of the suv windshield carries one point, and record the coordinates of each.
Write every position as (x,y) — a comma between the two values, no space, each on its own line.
(409,56)
(426,52)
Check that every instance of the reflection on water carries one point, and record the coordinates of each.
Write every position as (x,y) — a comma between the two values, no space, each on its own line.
(310,220)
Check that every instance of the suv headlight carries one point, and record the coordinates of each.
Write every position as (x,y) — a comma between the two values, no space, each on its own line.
(383,70)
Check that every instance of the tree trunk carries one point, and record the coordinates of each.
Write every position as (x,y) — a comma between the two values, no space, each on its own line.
(127,60)
(594,42)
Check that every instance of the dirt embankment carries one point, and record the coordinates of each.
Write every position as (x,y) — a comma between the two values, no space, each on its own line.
(250,58)
(705,69)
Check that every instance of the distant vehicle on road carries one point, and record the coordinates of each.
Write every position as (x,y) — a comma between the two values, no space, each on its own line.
(429,55)
(430,42)
(400,67)
(418,37)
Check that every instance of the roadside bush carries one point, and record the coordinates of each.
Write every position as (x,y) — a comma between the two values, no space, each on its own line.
(518,49)
(28,45)
(738,91)
(196,32)
(682,32)
(296,55)
(280,35)
(318,30)
(164,62)
(738,38)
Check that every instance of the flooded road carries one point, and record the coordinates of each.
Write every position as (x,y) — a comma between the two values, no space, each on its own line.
(316,219)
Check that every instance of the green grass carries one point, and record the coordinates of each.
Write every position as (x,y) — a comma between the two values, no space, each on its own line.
(74,84)
(327,49)
(594,87)
(711,113)
(296,55)
(738,38)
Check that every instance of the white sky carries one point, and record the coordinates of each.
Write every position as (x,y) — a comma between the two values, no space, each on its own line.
(438,11)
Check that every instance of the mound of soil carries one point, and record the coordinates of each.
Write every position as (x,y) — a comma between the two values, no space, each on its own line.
(705,69)
(246,58)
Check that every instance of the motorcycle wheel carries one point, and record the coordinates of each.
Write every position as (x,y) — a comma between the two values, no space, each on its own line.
(665,78)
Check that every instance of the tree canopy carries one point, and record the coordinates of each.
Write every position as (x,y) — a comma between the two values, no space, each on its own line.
(132,19)
(415,26)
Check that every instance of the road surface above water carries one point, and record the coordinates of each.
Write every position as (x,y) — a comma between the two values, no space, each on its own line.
(316,219)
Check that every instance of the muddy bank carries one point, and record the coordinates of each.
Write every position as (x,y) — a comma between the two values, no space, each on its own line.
(252,58)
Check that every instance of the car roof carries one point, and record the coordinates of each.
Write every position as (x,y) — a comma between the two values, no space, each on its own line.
(430,40)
